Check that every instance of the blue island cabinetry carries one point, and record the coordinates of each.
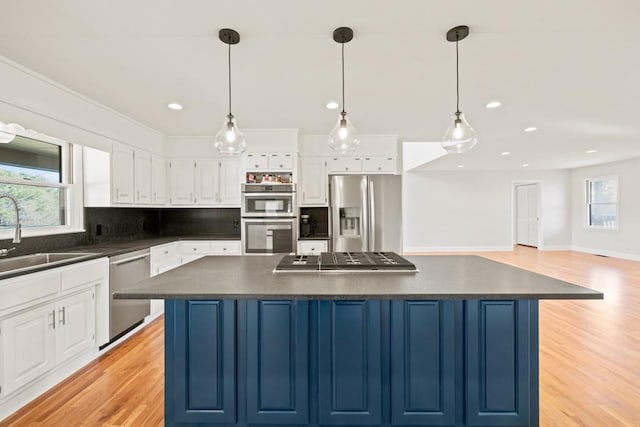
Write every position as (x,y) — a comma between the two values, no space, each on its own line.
(351,363)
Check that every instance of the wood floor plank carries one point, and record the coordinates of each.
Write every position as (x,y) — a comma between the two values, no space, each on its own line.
(589,357)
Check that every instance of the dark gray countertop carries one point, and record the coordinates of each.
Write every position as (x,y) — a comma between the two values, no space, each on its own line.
(113,249)
(440,277)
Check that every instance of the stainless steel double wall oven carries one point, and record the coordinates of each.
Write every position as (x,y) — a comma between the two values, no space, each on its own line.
(269,218)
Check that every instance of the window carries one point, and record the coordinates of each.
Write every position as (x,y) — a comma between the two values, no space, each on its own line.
(37,174)
(602,203)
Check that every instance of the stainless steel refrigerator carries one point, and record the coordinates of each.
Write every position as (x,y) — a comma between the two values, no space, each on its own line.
(366,213)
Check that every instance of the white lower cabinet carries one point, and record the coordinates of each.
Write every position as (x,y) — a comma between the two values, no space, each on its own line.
(312,247)
(28,347)
(37,340)
(76,328)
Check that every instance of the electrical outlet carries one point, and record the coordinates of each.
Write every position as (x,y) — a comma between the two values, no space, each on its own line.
(99,230)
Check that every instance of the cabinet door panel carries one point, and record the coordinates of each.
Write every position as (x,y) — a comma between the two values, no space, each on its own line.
(207,184)
(205,340)
(280,162)
(28,347)
(75,331)
(256,162)
(277,362)
(230,181)
(122,172)
(182,182)
(313,182)
(349,362)
(142,177)
(422,364)
(499,361)
(158,180)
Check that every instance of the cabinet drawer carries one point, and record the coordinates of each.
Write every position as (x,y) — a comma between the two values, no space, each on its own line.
(14,292)
(255,161)
(84,273)
(281,162)
(162,252)
(194,247)
(344,164)
(378,164)
(226,247)
(312,247)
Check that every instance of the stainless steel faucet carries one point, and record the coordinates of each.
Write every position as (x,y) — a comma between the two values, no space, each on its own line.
(18,232)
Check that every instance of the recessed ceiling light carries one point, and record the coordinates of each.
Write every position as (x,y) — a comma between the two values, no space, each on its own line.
(460,166)
(524,165)
(531,129)
(591,151)
(332,105)
(174,106)
(505,153)
(494,104)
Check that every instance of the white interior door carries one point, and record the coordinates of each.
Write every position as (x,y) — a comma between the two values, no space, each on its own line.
(527,215)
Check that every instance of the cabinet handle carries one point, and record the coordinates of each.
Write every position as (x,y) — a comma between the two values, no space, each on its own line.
(138,195)
(217,197)
(195,249)
(256,166)
(191,197)
(117,194)
(53,317)
(154,196)
(224,249)
(304,196)
(281,166)
(379,168)
(166,252)
(63,316)
(346,169)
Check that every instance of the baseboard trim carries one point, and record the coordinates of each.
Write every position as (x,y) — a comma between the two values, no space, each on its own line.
(412,249)
(556,248)
(614,254)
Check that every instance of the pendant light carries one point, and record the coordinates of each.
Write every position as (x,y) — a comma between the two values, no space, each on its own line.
(230,141)
(460,136)
(343,138)
(7,133)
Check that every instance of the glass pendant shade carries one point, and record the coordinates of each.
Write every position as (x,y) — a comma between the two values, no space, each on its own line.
(6,133)
(229,140)
(343,138)
(460,136)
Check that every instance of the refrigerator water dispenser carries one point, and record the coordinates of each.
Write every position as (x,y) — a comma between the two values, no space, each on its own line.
(350,222)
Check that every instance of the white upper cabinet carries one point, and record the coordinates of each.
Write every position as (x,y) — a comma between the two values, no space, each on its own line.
(256,161)
(122,172)
(142,170)
(281,161)
(182,181)
(208,182)
(313,182)
(124,176)
(158,180)
(230,180)
(379,164)
(269,162)
(207,185)
(344,164)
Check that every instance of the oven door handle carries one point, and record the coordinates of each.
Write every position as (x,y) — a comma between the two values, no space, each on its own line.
(264,220)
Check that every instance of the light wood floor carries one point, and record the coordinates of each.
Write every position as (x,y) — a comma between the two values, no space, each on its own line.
(589,357)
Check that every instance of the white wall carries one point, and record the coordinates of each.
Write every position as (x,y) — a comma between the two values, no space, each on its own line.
(624,242)
(473,210)
(43,105)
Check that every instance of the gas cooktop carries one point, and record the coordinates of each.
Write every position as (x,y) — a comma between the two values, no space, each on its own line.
(345,262)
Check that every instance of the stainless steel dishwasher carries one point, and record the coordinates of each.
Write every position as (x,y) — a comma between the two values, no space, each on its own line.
(124,271)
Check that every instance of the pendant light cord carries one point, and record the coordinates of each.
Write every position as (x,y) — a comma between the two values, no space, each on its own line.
(343,106)
(457,78)
(229,61)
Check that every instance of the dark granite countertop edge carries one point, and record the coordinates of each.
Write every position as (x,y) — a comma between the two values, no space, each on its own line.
(314,238)
(380,296)
(100,250)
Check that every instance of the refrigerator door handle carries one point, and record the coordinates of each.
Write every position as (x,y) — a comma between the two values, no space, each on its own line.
(372,217)
(364,223)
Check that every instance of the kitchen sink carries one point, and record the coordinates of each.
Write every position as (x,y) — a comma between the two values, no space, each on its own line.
(26,262)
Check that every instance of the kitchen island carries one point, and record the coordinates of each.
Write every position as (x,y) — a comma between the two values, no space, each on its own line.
(453,345)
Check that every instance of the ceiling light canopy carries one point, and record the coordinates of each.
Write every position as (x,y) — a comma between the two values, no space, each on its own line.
(343,138)
(494,104)
(505,153)
(530,129)
(229,140)
(174,106)
(460,136)
(591,151)
(332,105)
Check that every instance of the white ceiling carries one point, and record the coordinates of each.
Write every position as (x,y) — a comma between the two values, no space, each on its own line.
(568,67)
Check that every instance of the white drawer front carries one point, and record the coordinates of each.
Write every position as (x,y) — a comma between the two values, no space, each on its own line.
(226,247)
(161,252)
(84,273)
(378,164)
(195,247)
(27,288)
(312,247)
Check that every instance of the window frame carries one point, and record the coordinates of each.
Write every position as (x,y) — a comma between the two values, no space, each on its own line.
(71,168)
(587,203)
